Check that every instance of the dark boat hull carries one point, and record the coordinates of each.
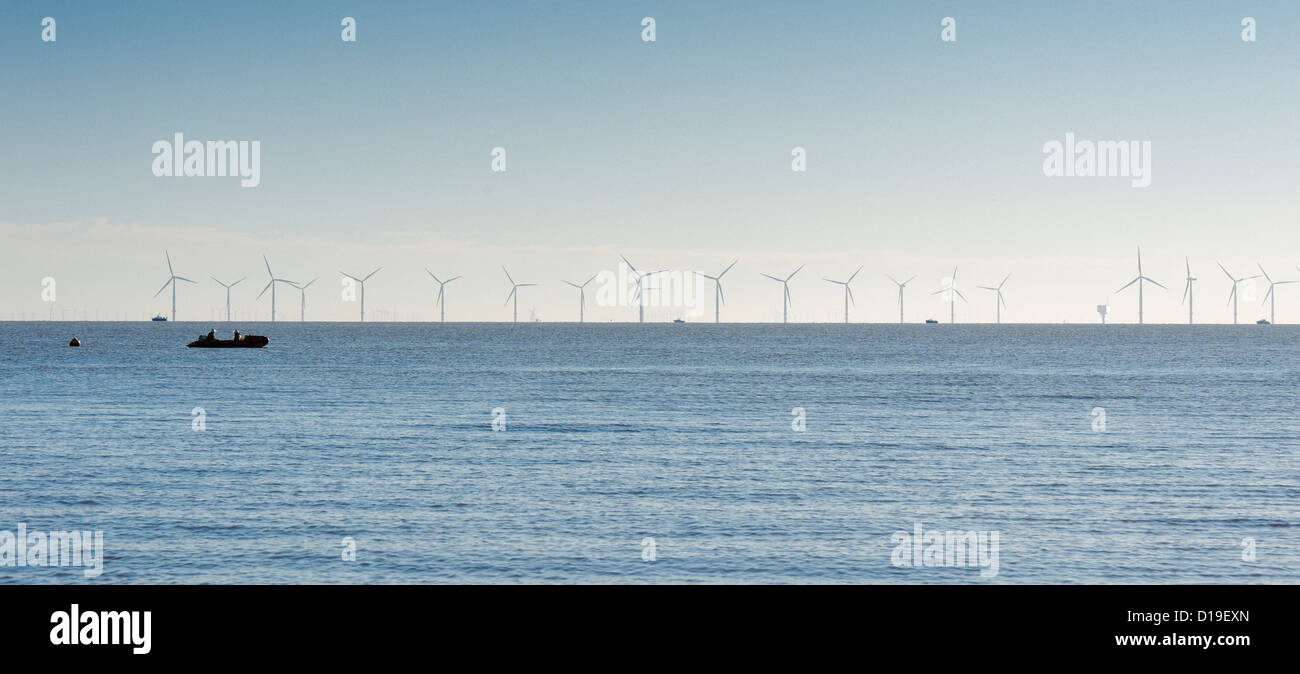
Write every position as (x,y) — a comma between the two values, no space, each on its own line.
(248,342)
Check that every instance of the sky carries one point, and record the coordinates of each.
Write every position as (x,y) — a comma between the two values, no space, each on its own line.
(922,155)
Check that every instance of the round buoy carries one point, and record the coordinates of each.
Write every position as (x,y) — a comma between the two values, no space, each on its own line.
(75,342)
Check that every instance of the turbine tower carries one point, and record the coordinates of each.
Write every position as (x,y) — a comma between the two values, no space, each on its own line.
(848,293)
(582,297)
(1140,278)
(900,294)
(1270,296)
(1188,295)
(952,301)
(640,297)
(362,282)
(998,302)
(227,287)
(514,292)
(786,301)
(1232,296)
(271,286)
(441,303)
(302,290)
(718,297)
(172,278)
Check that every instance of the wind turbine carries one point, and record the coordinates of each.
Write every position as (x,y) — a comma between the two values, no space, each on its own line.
(786,301)
(302,309)
(1188,295)
(952,301)
(362,283)
(718,297)
(900,294)
(514,291)
(640,298)
(172,278)
(582,297)
(1140,278)
(1271,296)
(848,293)
(227,287)
(998,303)
(441,303)
(1232,296)
(271,286)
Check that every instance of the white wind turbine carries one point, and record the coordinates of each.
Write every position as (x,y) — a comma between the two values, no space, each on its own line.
(442,301)
(172,278)
(786,302)
(900,294)
(1140,278)
(271,286)
(227,287)
(1188,295)
(514,291)
(362,282)
(848,293)
(302,290)
(952,290)
(640,296)
(582,297)
(1232,296)
(718,297)
(998,303)
(1271,296)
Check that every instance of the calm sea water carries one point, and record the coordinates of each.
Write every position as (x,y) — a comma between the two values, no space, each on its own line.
(682,433)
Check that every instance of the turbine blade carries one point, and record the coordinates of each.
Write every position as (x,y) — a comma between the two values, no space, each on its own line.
(164,287)
(182,278)
(963,297)
(794,272)
(1151,280)
(435,278)
(629,266)
(1270,292)
(511,279)
(909,280)
(773,278)
(367,278)
(169,263)
(724,271)
(1186,287)
(854,275)
(451,279)
(1225,272)
(1004,281)
(852,299)
(268,287)
(512,294)
(721,295)
(891,278)
(1261,268)
(268,266)
(593,278)
(232,285)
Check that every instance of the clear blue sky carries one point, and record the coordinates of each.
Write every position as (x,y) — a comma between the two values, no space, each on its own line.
(922,154)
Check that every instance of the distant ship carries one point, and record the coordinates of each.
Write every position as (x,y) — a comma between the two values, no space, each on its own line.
(678,320)
(1262,321)
(930,321)
(159,318)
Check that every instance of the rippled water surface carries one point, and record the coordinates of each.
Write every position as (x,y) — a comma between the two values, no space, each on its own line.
(619,432)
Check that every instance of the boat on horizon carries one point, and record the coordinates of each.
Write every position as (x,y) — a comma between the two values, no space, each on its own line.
(1262,321)
(159,319)
(931,321)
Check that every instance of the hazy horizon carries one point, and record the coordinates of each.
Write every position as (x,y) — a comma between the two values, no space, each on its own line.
(921,154)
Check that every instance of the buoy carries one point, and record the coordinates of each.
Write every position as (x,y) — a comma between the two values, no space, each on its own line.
(75,342)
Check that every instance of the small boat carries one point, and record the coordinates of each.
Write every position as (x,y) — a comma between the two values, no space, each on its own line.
(1262,321)
(930,321)
(159,319)
(678,320)
(244,342)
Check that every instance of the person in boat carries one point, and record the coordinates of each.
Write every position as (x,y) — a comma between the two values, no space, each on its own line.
(212,335)
(236,335)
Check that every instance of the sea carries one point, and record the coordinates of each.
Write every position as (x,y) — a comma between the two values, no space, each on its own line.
(484,453)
